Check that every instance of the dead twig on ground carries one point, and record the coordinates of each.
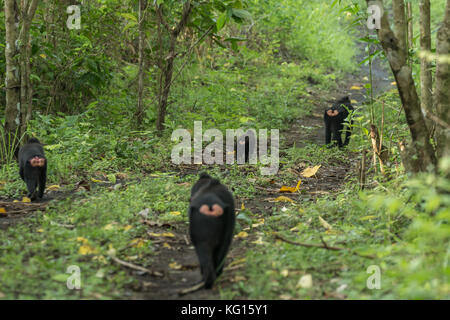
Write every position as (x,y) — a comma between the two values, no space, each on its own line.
(197,287)
(136,267)
(323,246)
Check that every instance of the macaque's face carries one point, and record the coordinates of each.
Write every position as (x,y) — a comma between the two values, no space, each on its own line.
(37,162)
(332,113)
(215,212)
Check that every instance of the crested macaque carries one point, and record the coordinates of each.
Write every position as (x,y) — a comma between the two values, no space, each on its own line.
(249,142)
(334,118)
(211,225)
(33,167)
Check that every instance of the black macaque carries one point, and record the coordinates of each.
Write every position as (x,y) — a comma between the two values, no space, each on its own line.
(334,118)
(33,167)
(211,225)
(249,141)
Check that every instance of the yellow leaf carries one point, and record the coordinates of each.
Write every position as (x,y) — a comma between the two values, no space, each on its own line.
(242,206)
(87,249)
(109,226)
(40,230)
(42,55)
(164,234)
(353,101)
(258,241)
(26,199)
(284,272)
(175,213)
(16,201)
(166,245)
(291,189)
(128,227)
(355,88)
(175,266)
(2,210)
(309,172)
(242,235)
(393,83)
(237,262)
(325,224)
(53,187)
(283,199)
(168,234)
(95,180)
(259,223)
(137,243)
(81,239)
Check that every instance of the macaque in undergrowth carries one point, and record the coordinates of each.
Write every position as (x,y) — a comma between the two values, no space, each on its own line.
(33,167)
(211,225)
(335,118)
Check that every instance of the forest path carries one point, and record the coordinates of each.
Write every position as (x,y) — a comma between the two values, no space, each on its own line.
(180,253)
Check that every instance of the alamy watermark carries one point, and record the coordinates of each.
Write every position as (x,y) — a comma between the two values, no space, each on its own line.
(374,280)
(74,20)
(255,144)
(74,280)
(375,11)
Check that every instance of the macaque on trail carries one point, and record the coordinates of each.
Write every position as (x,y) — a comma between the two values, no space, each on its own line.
(33,167)
(211,225)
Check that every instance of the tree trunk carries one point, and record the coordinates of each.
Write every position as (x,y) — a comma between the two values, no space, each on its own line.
(18,71)
(426,83)
(26,92)
(410,26)
(12,78)
(394,45)
(140,105)
(443,85)
(167,65)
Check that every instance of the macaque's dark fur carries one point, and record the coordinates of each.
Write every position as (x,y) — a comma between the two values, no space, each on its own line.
(33,176)
(335,125)
(248,148)
(211,236)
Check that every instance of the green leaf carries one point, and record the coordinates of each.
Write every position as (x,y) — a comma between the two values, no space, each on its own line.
(240,13)
(221,20)
(61,277)
(129,16)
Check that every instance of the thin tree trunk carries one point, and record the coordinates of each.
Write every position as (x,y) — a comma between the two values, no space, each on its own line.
(18,69)
(167,70)
(394,46)
(28,10)
(140,106)
(443,85)
(12,78)
(426,83)
(410,26)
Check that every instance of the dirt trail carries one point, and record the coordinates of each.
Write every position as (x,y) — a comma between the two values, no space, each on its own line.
(329,180)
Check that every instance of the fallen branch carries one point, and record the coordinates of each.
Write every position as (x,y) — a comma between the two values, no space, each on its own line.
(30,204)
(197,287)
(136,267)
(323,246)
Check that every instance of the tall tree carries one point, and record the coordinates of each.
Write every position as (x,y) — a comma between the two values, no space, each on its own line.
(167,62)
(442,95)
(141,61)
(18,68)
(426,84)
